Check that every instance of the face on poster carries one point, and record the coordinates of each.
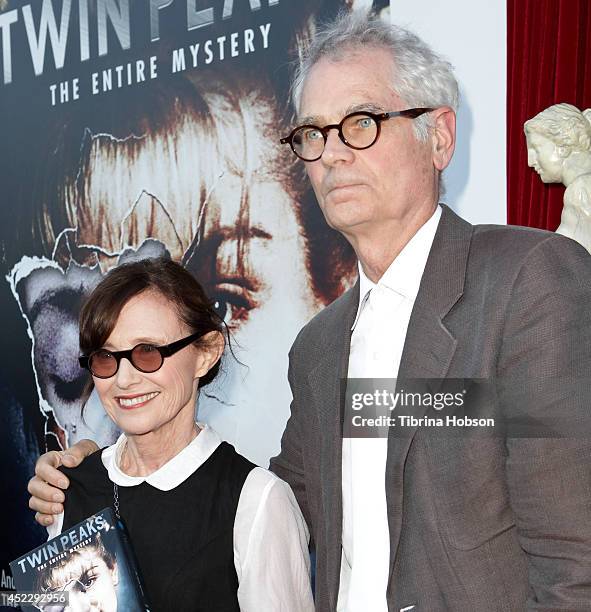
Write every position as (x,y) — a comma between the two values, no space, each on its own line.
(187,165)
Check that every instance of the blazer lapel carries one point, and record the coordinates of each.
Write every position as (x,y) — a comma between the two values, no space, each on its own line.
(429,346)
(327,383)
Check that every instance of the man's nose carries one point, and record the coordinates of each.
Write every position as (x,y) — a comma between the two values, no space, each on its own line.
(335,150)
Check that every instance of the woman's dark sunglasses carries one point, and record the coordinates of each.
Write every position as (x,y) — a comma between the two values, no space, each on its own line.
(144,357)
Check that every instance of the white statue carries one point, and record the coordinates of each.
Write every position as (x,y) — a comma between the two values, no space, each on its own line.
(559,150)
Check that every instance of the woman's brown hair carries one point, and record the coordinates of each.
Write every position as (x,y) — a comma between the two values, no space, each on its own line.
(100,312)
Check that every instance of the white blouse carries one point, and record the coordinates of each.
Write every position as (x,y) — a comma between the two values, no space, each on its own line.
(270,535)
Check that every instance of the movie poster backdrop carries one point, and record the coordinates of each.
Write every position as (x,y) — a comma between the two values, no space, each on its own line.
(136,128)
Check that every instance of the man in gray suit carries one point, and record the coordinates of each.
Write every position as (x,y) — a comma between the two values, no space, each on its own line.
(425,522)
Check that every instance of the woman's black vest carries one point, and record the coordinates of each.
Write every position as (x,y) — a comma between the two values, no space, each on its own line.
(183,538)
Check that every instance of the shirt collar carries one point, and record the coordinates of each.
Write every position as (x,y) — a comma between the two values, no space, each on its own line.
(173,472)
(404,274)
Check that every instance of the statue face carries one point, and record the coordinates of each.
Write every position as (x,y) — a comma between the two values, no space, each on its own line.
(543,157)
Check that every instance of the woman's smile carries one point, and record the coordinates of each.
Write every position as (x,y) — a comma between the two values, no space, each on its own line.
(135,401)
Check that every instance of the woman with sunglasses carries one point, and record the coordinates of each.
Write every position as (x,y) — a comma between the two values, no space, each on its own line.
(211,531)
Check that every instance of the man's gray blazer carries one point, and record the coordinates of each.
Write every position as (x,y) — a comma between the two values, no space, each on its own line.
(476,525)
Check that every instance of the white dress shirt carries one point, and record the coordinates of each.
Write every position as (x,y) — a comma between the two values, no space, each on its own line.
(377,340)
(270,535)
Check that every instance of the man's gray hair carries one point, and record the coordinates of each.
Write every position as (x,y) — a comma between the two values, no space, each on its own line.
(421,77)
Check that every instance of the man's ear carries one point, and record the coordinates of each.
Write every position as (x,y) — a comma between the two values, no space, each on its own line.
(443,136)
(210,350)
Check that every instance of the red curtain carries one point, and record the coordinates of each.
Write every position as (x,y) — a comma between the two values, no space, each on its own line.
(548,61)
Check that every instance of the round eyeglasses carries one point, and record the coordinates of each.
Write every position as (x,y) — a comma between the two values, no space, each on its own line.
(359,130)
(144,357)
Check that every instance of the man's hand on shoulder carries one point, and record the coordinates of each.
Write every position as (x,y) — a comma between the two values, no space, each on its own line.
(46,486)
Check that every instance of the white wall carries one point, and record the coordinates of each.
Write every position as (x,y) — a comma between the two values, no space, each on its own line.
(472,35)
